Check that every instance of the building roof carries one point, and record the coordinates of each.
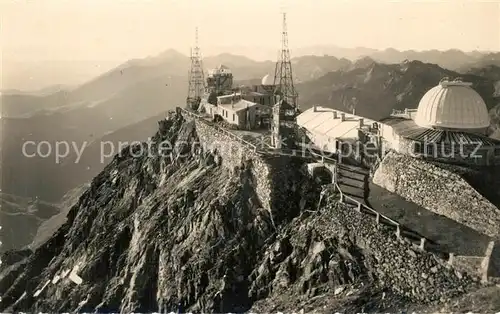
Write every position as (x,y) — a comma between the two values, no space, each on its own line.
(267,80)
(241,104)
(453,105)
(322,122)
(409,129)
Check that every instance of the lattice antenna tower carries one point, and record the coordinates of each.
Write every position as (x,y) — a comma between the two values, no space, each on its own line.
(283,77)
(196,76)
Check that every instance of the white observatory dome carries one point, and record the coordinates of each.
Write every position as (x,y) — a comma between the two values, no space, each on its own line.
(267,80)
(452,105)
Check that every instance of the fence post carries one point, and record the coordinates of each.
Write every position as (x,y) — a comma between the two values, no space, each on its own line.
(485,264)
(359,207)
(451,258)
(398,231)
(422,244)
(378,218)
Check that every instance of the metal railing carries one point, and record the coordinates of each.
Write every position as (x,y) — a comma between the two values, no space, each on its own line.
(401,231)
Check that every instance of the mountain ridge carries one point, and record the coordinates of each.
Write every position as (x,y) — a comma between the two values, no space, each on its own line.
(453,59)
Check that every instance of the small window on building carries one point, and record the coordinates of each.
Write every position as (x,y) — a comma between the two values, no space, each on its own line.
(417,148)
(497,151)
(234,118)
(429,150)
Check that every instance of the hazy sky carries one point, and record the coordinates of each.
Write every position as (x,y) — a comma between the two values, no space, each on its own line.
(124,29)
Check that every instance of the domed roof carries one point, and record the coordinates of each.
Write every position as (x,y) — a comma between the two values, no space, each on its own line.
(267,80)
(453,105)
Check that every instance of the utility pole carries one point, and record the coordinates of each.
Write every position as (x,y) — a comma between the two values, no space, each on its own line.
(196,77)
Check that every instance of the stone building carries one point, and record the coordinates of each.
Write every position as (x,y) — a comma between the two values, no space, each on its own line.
(449,125)
(219,80)
(262,94)
(234,110)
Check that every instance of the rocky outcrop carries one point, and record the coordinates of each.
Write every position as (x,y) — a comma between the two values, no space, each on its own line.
(439,190)
(191,230)
(337,251)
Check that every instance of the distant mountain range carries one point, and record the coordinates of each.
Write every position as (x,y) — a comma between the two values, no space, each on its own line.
(29,75)
(374,89)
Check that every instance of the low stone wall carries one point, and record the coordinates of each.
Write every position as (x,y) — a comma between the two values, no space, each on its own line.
(438,190)
(416,274)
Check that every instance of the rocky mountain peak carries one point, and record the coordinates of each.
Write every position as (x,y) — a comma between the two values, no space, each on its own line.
(189,228)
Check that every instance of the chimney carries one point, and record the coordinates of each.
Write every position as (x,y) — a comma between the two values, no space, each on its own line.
(361,122)
(335,114)
(342,116)
(354,111)
(314,108)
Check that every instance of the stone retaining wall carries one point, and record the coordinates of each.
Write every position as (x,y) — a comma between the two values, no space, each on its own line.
(233,154)
(438,190)
(416,274)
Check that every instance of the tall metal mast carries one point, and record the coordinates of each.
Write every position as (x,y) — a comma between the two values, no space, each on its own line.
(196,77)
(283,78)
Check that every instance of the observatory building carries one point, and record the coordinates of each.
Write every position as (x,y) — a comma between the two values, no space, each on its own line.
(449,125)
(262,94)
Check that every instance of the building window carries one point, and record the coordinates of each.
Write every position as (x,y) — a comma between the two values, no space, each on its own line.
(234,117)
(417,148)
(430,151)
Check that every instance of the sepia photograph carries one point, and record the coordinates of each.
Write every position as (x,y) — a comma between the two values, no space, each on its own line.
(250,156)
